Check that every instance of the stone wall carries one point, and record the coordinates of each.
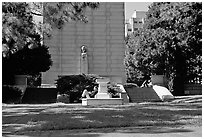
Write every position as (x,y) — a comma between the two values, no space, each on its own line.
(142,94)
(104,37)
(193,89)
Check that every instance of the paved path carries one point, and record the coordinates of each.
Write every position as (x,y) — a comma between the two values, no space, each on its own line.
(120,132)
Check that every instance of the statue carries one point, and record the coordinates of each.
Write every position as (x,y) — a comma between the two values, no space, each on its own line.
(84,60)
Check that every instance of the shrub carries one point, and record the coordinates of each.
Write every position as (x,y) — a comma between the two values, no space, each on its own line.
(34,95)
(11,94)
(73,85)
(26,61)
(35,80)
(114,90)
(29,61)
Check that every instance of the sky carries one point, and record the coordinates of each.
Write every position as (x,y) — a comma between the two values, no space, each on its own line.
(131,6)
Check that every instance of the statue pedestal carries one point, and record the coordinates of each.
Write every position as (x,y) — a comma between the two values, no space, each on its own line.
(102,97)
(102,89)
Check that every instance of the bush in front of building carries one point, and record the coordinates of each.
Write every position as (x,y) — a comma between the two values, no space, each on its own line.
(71,87)
(11,94)
(74,85)
(114,90)
(27,61)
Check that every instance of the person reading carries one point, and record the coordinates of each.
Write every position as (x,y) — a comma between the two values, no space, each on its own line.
(89,94)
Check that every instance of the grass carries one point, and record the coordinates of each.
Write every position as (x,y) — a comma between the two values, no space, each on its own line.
(23,118)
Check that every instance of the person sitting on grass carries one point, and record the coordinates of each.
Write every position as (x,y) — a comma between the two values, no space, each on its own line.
(89,94)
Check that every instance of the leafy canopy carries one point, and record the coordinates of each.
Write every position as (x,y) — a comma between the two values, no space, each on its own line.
(22,35)
(20,29)
(170,42)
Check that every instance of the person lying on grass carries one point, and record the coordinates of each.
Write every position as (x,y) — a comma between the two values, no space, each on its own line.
(89,94)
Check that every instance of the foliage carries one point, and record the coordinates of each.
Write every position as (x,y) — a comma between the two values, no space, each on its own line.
(74,85)
(113,89)
(169,44)
(39,95)
(58,13)
(11,94)
(19,28)
(22,35)
(31,61)
(183,22)
(26,61)
(146,55)
(35,80)
(23,52)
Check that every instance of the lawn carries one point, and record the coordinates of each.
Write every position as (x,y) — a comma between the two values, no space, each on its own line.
(21,119)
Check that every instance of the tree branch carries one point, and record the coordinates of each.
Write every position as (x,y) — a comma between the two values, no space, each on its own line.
(38,14)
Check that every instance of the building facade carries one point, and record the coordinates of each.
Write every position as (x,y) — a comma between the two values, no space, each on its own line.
(103,37)
(135,22)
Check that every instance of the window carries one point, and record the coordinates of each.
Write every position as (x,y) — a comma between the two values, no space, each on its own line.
(140,22)
(135,22)
(129,29)
(135,29)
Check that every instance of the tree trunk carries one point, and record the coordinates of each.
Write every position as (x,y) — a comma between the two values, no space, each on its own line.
(180,67)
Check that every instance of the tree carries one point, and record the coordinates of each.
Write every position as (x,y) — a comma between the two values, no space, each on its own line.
(172,41)
(183,22)
(19,28)
(23,49)
(146,54)
(21,40)
(26,61)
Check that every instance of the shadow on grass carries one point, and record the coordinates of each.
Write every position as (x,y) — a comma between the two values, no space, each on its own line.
(155,130)
(128,132)
(114,132)
(34,119)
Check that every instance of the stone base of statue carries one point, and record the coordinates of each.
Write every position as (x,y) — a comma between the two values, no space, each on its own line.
(102,97)
(102,89)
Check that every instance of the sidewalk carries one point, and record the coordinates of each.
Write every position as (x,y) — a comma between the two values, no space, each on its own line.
(121,132)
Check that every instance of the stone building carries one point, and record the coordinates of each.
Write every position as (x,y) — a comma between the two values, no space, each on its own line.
(103,37)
